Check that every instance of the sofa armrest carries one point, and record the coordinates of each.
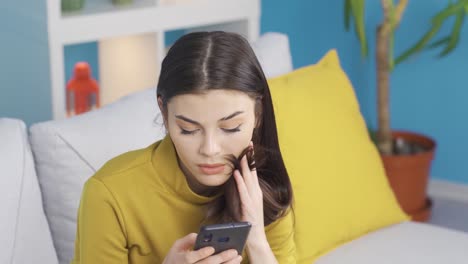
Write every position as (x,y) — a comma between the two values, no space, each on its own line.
(25,232)
(408,242)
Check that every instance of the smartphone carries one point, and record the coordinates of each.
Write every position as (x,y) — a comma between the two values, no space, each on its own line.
(223,236)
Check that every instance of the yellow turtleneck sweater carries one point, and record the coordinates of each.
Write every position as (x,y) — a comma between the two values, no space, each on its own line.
(139,203)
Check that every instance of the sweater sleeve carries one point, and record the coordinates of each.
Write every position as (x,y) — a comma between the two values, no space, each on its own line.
(280,236)
(101,234)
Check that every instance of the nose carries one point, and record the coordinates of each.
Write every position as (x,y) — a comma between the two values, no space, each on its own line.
(210,146)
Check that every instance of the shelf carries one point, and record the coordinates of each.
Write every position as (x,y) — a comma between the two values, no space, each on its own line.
(144,22)
(98,25)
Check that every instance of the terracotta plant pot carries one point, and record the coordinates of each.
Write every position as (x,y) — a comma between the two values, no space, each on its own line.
(408,176)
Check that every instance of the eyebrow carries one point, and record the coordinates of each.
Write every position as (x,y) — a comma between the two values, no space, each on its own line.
(222,119)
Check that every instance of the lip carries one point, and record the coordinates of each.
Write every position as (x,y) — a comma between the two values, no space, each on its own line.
(211,169)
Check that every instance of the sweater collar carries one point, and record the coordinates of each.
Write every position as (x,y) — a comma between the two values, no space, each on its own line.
(168,170)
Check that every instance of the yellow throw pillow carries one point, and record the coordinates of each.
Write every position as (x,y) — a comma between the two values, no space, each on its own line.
(340,187)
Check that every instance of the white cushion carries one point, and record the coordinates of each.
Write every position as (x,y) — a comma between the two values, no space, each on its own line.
(69,151)
(405,243)
(273,53)
(25,235)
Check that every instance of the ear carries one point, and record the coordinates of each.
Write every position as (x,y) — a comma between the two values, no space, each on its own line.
(162,110)
(160,103)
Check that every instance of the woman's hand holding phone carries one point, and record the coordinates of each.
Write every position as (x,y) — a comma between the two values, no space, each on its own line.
(181,253)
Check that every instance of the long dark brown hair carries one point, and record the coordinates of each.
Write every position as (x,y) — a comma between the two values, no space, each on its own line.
(202,61)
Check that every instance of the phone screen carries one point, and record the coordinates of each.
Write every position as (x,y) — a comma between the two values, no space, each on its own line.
(223,236)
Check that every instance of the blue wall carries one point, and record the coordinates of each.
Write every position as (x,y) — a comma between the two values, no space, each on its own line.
(24,71)
(313,27)
(428,95)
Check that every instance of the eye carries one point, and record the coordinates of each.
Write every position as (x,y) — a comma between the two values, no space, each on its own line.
(187,132)
(233,130)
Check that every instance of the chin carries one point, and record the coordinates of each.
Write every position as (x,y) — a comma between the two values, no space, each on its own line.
(213,180)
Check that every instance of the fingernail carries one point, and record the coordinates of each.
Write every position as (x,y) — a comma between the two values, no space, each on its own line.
(240,258)
(210,250)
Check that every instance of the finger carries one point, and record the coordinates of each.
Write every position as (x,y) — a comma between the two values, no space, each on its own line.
(253,152)
(222,257)
(198,255)
(250,177)
(254,176)
(254,170)
(235,260)
(246,173)
(242,188)
(186,242)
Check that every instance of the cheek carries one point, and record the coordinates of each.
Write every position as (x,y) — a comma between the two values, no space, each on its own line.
(237,142)
(185,145)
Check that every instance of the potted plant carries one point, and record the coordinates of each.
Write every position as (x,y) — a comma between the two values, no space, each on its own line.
(71,5)
(122,2)
(406,156)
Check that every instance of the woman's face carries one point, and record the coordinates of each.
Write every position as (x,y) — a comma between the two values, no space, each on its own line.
(207,127)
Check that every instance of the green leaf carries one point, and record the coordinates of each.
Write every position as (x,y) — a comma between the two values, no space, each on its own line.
(421,44)
(358,11)
(347,14)
(450,10)
(453,9)
(438,43)
(455,36)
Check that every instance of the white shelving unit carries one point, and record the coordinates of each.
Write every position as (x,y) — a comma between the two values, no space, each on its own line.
(145,21)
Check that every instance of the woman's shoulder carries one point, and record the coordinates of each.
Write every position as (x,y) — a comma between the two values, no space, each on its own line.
(126,163)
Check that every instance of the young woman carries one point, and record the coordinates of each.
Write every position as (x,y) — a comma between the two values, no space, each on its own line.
(219,162)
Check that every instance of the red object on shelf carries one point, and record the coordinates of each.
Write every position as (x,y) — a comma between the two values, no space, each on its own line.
(82,90)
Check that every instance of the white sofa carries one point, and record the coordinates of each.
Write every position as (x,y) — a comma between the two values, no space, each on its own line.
(40,189)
